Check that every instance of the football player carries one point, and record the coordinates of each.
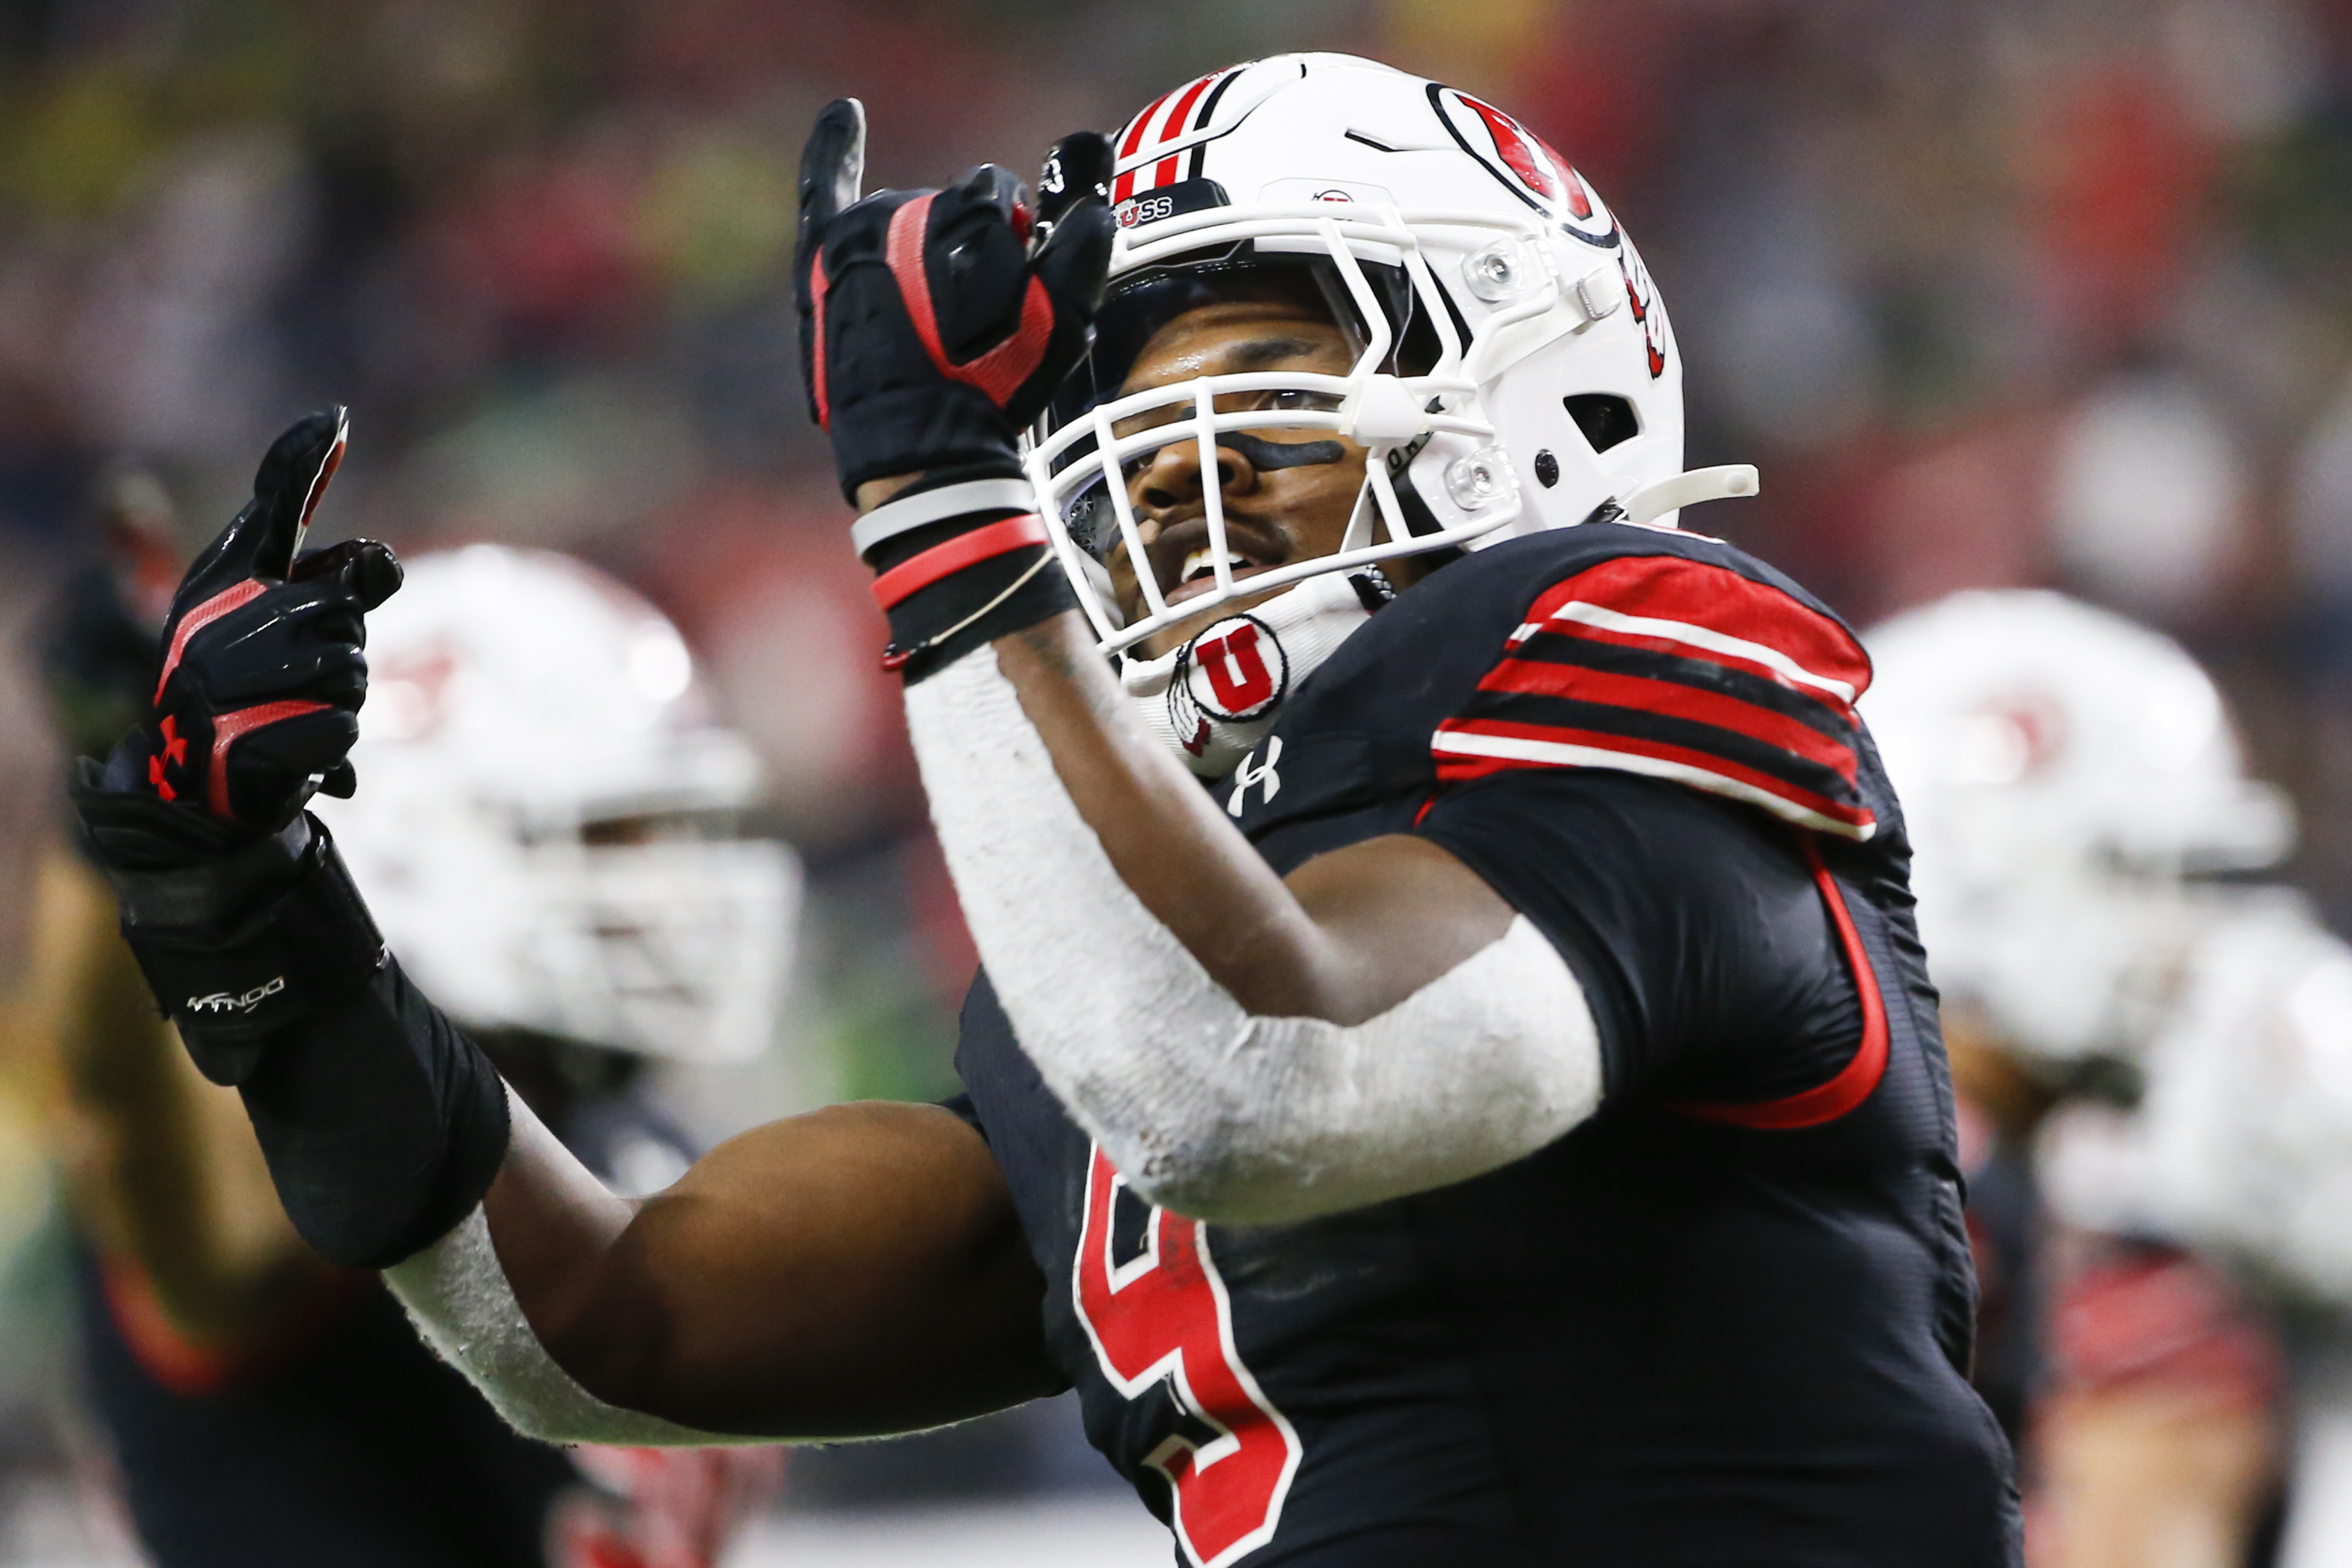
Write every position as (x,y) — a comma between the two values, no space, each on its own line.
(2072,783)
(1499,1118)
(264,1407)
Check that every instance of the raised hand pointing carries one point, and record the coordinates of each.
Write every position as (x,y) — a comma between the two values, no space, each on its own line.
(262,673)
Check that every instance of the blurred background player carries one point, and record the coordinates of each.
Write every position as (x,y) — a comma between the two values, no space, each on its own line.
(263,1406)
(2141,1053)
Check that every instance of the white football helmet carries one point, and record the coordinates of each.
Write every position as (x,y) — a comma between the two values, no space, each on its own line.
(544,823)
(1515,371)
(2062,770)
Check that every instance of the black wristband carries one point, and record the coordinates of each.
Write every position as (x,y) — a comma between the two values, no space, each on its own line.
(231,984)
(936,624)
(933,628)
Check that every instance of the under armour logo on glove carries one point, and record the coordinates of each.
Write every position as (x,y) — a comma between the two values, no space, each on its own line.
(934,324)
(262,675)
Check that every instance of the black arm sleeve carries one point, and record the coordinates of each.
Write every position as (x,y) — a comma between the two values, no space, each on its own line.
(382,1121)
(1693,923)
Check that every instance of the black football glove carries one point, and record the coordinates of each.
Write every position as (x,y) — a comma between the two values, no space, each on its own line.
(934,325)
(256,705)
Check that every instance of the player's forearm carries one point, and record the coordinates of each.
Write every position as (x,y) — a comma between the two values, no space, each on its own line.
(1209,1106)
(1164,834)
(1277,955)
(552,1242)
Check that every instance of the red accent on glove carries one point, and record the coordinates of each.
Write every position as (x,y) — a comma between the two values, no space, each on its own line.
(172,752)
(999,372)
(818,286)
(231,726)
(204,615)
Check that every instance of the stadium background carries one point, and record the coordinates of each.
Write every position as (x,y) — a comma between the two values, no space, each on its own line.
(1995,292)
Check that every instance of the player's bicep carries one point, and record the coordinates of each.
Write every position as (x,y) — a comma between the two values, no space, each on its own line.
(1392,913)
(1695,925)
(858,1269)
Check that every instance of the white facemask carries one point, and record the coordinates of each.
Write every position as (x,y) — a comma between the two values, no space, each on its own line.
(1216,697)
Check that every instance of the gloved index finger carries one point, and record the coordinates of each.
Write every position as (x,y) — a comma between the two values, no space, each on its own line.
(833,166)
(261,541)
(288,486)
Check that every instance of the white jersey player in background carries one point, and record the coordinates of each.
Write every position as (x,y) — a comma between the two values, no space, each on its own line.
(2176,1044)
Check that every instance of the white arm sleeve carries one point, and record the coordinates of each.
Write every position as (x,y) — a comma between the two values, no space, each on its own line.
(1205,1107)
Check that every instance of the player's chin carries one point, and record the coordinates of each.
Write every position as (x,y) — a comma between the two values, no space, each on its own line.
(1175,635)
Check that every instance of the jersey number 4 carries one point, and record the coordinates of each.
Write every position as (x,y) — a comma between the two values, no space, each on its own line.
(1162,1317)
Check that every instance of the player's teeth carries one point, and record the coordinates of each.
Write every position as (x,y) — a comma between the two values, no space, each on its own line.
(1203,562)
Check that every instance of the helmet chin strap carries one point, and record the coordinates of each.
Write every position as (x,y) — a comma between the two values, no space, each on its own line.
(1216,697)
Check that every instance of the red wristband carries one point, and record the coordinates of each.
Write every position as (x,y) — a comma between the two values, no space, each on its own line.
(912,576)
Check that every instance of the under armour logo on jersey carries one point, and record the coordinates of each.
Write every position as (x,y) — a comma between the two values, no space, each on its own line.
(1252,773)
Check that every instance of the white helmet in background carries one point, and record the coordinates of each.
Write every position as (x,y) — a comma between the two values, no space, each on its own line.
(544,822)
(1514,369)
(2061,771)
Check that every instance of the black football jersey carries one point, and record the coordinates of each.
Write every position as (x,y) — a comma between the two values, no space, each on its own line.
(1726,1320)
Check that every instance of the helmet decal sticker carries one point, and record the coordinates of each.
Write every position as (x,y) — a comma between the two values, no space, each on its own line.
(1153,147)
(1642,295)
(1236,670)
(2016,735)
(1527,165)
(1531,158)
(1169,201)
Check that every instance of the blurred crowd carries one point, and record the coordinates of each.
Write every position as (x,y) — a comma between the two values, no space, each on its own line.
(1995,293)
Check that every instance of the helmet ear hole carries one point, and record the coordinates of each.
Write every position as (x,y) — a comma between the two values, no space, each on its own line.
(1605,418)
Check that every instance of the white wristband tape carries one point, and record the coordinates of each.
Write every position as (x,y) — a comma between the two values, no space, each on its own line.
(456,1294)
(458,1298)
(887,522)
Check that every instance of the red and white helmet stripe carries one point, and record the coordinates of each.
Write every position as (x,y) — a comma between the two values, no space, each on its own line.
(1151,146)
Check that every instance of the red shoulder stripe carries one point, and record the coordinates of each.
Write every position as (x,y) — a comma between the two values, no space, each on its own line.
(1472,748)
(1540,678)
(1710,611)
